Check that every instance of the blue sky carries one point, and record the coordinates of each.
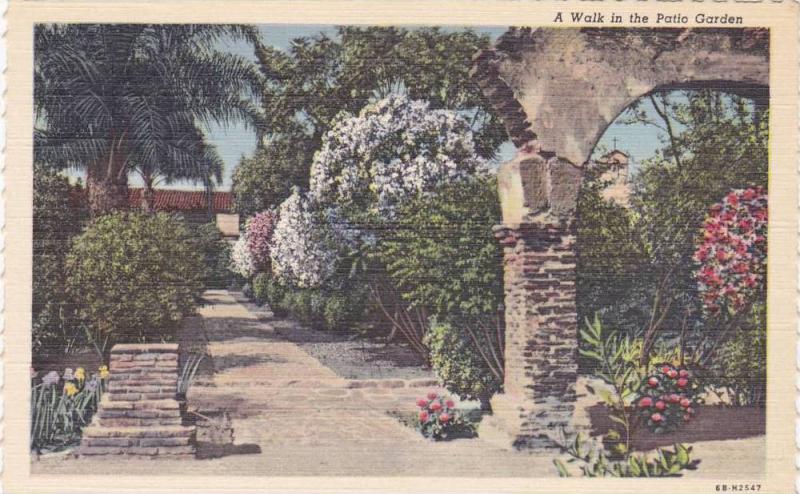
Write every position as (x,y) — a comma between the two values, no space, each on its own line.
(638,141)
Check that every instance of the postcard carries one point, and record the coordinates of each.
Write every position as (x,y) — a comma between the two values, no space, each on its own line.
(400,246)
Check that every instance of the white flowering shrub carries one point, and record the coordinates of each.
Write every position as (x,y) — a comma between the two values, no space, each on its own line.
(242,262)
(394,149)
(307,243)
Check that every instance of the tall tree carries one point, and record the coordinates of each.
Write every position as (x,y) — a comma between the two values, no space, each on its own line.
(112,98)
(307,86)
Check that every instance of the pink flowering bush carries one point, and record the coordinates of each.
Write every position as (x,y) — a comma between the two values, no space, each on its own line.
(732,251)
(667,398)
(258,233)
(439,420)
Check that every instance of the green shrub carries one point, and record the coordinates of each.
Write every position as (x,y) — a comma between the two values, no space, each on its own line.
(741,367)
(595,462)
(261,284)
(443,255)
(208,242)
(263,180)
(336,312)
(275,296)
(59,213)
(459,364)
(345,310)
(135,276)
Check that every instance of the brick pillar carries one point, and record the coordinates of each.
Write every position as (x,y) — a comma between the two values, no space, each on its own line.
(139,414)
(539,264)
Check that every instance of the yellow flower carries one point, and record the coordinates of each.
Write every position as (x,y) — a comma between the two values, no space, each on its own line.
(104,372)
(70,389)
(80,374)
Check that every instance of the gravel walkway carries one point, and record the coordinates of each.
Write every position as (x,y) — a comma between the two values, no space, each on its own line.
(349,356)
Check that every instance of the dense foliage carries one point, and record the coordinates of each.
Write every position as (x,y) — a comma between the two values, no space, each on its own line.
(207,241)
(242,262)
(136,276)
(59,213)
(114,99)
(318,77)
(264,180)
(258,234)
(441,252)
(732,252)
(636,266)
(442,256)
(460,362)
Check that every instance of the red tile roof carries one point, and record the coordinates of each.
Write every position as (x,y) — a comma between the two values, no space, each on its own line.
(171,200)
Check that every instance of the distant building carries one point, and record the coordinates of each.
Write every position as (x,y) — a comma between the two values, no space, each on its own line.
(619,189)
(194,206)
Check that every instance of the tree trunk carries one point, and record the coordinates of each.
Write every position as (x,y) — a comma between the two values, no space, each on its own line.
(107,179)
(106,194)
(148,196)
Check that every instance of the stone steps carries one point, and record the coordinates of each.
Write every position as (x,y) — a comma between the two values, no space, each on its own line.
(139,414)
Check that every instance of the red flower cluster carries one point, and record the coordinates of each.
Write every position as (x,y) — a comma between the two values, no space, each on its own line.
(666,398)
(437,414)
(258,232)
(732,250)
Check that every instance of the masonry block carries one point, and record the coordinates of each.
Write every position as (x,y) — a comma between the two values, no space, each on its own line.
(139,415)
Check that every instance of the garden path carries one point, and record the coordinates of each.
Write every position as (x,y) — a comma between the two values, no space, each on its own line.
(293,416)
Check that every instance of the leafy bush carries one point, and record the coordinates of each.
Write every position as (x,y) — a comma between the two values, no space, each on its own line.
(443,255)
(264,180)
(615,360)
(135,275)
(741,366)
(459,363)
(242,262)
(732,253)
(258,232)
(595,462)
(260,285)
(307,245)
(59,213)
(208,242)
(438,418)
(276,296)
(667,398)
(444,260)
(62,404)
(394,149)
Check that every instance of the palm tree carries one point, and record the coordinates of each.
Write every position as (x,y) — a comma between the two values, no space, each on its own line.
(116,98)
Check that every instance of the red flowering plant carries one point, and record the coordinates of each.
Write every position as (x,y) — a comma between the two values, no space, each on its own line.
(667,398)
(258,232)
(732,252)
(438,418)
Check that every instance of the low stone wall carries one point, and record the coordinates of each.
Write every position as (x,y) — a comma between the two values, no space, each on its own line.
(139,413)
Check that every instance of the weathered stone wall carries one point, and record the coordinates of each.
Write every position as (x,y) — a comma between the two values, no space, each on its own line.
(139,413)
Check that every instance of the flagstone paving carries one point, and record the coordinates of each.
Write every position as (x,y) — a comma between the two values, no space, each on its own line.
(293,416)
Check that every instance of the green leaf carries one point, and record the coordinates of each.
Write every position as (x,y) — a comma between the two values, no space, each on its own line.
(636,470)
(562,469)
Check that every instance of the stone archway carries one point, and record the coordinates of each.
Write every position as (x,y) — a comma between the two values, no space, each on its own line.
(557,90)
